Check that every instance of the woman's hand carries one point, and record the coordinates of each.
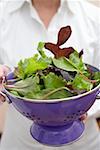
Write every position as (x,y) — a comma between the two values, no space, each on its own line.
(84,117)
(3,72)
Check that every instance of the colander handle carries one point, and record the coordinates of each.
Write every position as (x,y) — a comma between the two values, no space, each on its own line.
(4,94)
(98,95)
(5,97)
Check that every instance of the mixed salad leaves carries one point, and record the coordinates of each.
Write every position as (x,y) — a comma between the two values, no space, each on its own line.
(64,75)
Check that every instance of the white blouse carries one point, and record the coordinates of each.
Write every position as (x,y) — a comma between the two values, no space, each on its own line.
(20,31)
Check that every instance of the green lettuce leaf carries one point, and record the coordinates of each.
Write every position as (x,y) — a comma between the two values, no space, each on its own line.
(74,63)
(29,66)
(64,63)
(80,83)
(52,81)
(26,88)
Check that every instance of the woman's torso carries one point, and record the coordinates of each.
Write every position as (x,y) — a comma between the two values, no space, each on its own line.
(22,32)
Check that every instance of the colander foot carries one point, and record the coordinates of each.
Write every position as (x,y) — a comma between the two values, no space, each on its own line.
(59,135)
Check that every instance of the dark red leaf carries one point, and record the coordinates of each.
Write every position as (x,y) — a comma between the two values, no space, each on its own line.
(58,52)
(53,48)
(66,52)
(64,35)
(80,53)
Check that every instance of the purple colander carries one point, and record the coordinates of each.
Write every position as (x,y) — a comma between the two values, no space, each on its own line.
(55,122)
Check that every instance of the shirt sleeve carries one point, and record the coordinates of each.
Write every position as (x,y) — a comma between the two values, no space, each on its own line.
(96,61)
(1,30)
(95,109)
(3,25)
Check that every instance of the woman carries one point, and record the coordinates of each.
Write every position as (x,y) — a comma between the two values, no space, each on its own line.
(25,23)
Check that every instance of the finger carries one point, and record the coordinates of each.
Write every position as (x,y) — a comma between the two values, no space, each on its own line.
(1,74)
(84,117)
(0,79)
(2,99)
(6,70)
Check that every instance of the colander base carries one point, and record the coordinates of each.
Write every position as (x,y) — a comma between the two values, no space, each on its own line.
(59,135)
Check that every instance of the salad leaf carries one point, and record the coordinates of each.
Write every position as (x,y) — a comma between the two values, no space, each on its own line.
(14,92)
(43,57)
(52,81)
(40,49)
(96,76)
(59,94)
(74,63)
(50,94)
(81,84)
(26,88)
(64,63)
(77,61)
(63,35)
(29,66)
